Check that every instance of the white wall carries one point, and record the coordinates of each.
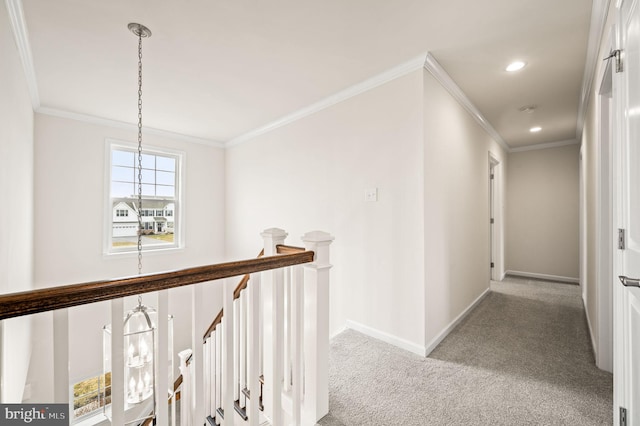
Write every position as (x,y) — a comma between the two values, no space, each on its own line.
(456,212)
(312,174)
(543,212)
(16,215)
(69,215)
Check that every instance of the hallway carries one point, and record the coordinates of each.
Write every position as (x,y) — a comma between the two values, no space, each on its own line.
(523,356)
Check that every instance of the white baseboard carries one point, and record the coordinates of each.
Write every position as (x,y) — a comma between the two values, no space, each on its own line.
(387,338)
(444,333)
(340,330)
(544,277)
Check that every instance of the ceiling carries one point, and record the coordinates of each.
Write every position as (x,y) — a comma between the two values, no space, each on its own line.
(218,70)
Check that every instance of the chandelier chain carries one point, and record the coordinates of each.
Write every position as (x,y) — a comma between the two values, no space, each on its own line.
(140,153)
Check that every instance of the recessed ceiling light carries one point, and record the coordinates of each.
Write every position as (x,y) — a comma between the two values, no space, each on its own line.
(515,66)
(535,129)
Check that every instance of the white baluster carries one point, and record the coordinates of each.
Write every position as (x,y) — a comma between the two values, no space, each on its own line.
(297,333)
(254,342)
(207,376)
(273,330)
(243,346)
(236,349)
(227,372)
(162,359)
(211,403)
(287,330)
(117,362)
(218,372)
(185,392)
(197,326)
(316,326)
(61,383)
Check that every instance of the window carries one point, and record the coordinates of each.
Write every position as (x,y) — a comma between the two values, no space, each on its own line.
(91,395)
(160,175)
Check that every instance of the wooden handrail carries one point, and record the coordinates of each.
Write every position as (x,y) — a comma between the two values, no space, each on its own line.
(280,249)
(177,383)
(214,324)
(284,249)
(48,299)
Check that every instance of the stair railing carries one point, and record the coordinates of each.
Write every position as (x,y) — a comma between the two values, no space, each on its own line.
(297,392)
(265,357)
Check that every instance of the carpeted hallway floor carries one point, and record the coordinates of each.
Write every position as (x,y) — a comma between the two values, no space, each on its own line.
(522,357)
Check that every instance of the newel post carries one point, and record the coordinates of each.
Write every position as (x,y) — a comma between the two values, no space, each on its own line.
(273,331)
(316,327)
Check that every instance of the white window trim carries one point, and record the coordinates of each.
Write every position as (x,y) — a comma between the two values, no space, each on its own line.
(178,212)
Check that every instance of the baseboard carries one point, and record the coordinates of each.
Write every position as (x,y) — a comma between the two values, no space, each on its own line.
(340,330)
(543,276)
(387,338)
(445,332)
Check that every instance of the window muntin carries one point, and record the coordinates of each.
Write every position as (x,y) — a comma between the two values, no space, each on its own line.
(160,199)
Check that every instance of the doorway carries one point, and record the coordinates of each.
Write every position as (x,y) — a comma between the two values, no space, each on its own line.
(604,224)
(496,254)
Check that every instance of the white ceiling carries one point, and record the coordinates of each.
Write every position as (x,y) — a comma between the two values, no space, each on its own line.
(217,70)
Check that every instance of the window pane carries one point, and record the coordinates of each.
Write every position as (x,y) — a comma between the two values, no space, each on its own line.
(166,163)
(165,191)
(148,161)
(148,176)
(165,178)
(123,174)
(159,181)
(122,158)
(121,189)
(148,189)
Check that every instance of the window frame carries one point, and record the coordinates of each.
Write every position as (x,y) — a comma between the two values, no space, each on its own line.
(178,201)
(99,392)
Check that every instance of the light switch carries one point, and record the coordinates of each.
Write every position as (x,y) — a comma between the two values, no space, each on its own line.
(371,194)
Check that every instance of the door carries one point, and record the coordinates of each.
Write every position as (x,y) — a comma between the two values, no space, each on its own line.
(492,221)
(627,298)
(495,220)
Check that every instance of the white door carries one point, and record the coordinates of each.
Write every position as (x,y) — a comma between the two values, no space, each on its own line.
(627,298)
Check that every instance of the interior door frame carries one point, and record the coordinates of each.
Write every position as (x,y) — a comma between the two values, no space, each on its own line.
(496,239)
(605,223)
(620,382)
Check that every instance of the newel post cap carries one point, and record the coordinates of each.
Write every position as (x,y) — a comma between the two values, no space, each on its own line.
(274,233)
(317,237)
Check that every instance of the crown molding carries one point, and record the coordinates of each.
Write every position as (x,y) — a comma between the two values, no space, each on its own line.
(545,145)
(126,126)
(378,80)
(434,67)
(21,36)
(599,12)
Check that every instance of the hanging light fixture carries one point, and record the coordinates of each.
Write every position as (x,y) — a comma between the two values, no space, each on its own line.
(142,32)
(140,353)
(140,324)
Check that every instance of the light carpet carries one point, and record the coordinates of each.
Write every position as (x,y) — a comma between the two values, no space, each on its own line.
(522,357)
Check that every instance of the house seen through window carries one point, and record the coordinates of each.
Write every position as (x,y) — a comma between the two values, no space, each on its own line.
(160,202)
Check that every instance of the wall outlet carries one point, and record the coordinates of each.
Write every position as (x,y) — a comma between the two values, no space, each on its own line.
(371,194)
